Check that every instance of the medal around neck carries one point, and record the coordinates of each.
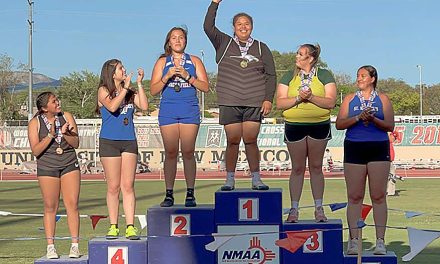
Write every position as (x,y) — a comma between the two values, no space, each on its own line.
(59,150)
(125,121)
(244,64)
(177,88)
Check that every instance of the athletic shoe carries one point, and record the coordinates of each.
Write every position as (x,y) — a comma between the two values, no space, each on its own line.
(51,253)
(190,201)
(259,185)
(352,246)
(380,248)
(167,202)
(229,185)
(131,233)
(319,215)
(293,216)
(74,252)
(112,233)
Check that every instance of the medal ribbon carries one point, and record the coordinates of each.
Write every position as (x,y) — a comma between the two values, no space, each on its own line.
(306,81)
(365,105)
(244,50)
(181,64)
(58,133)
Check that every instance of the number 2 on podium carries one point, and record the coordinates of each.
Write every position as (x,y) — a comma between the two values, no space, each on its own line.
(117,255)
(248,209)
(180,225)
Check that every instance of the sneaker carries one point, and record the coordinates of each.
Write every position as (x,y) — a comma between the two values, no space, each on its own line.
(319,215)
(112,233)
(131,233)
(74,252)
(51,252)
(190,201)
(259,185)
(380,248)
(229,185)
(167,202)
(352,246)
(293,216)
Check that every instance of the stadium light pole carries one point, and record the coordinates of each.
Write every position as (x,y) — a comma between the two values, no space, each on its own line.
(421,91)
(31,70)
(203,94)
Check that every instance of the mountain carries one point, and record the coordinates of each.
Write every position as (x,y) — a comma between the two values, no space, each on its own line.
(39,81)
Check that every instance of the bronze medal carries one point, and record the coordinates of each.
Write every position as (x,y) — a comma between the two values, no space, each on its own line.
(177,87)
(125,121)
(59,151)
(244,64)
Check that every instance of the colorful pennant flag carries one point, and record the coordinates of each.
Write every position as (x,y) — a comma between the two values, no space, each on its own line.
(57,218)
(142,221)
(418,240)
(294,240)
(411,214)
(337,206)
(95,219)
(365,210)
(219,240)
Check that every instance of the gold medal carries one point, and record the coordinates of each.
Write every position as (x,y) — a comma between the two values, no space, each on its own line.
(59,151)
(125,121)
(177,87)
(244,64)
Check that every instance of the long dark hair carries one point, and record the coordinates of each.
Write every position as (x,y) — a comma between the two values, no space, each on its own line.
(106,80)
(41,101)
(372,72)
(166,45)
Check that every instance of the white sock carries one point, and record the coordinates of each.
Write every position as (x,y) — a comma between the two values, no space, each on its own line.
(50,246)
(74,245)
(255,175)
(318,203)
(230,174)
(295,204)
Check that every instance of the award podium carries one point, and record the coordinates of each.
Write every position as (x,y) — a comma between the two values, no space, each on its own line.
(251,221)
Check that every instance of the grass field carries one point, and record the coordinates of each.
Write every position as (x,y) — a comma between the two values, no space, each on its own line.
(24,197)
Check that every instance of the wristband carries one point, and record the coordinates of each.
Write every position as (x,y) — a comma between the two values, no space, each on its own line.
(162,81)
(193,78)
(49,135)
(188,77)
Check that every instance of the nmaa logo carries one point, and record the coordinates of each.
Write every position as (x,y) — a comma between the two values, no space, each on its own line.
(254,254)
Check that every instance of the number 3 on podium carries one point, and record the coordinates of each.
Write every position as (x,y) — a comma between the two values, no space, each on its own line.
(180,225)
(314,243)
(248,209)
(117,255)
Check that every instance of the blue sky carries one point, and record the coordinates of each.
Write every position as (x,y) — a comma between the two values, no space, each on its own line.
(75,35)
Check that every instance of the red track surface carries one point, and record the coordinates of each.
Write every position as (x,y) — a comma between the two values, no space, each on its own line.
(10,175)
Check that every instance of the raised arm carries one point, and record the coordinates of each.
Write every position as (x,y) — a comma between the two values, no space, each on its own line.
(112,104)
(214,34)
(140,98)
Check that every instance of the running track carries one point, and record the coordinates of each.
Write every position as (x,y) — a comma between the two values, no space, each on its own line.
(10,175)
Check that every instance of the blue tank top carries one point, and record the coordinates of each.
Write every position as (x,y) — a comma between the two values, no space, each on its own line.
(118,125)
(187,93)
(360,132)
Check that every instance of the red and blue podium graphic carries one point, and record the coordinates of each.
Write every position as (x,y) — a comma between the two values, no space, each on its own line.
(243,226)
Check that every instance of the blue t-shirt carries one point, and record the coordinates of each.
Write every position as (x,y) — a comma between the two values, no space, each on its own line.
(360,132)
(118,125)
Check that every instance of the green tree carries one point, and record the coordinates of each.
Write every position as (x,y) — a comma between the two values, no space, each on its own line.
(8,110)
(403,97)
(78,93)
(431,100)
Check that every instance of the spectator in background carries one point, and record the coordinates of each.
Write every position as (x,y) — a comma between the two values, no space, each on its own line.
(329,160)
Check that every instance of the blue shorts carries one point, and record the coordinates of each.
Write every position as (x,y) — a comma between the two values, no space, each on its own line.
(179,113)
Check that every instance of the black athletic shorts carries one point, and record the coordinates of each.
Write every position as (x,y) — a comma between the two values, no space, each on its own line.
(114,148)
(366,151)
(294,132)
(58,172)
(239,114)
